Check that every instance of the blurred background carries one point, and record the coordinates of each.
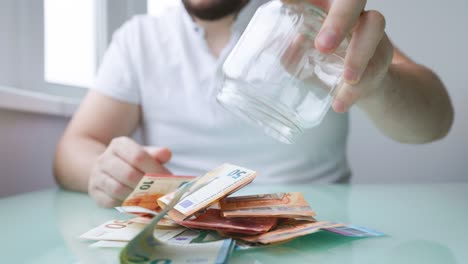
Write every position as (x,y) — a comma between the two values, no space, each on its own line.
(50,50)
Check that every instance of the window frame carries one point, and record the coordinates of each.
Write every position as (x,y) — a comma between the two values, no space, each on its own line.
(110,15)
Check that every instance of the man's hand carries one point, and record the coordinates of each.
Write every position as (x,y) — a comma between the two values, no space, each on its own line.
(405,100)
(119,169)
(369,54)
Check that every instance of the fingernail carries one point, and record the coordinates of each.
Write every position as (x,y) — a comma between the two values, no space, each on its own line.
(339,106)
(351,76)
(327,39)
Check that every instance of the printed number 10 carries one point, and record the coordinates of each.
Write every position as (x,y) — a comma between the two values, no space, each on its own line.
(146,185)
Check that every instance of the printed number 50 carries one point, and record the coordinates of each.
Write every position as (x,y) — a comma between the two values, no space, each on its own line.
(236,173)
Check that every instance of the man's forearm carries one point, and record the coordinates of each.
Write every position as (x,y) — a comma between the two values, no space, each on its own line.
(412,106)
(74,160)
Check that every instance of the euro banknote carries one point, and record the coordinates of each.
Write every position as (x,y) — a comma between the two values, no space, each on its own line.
(123,230)
(185,219)
(285,205)
(153,186)
(211,187)
(213,220)
(288,230)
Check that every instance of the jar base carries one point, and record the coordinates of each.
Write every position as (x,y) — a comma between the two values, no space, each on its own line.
(257,110)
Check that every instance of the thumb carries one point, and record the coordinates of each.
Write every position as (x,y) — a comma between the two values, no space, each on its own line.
(162,155)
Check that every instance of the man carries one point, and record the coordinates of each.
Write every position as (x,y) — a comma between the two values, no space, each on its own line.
(163,73)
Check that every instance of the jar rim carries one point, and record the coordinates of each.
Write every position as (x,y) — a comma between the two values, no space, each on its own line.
(315,9)
(309,6)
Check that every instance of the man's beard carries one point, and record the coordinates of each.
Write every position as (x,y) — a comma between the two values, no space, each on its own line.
(214,9)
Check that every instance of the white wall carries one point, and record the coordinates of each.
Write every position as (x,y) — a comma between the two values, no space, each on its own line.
(9,43)
(27,145)
(433,33)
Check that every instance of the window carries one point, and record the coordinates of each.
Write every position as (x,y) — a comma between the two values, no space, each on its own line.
(70,42)
(55,46)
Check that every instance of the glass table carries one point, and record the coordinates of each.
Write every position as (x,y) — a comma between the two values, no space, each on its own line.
(423,224)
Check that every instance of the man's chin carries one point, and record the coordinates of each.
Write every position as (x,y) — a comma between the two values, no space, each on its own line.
(213,9)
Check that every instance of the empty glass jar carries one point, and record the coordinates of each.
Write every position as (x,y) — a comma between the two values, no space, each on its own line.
(274,76)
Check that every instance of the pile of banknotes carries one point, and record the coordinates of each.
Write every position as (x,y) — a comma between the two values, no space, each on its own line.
(187,219)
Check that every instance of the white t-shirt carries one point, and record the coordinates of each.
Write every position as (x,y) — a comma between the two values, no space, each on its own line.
(163,64)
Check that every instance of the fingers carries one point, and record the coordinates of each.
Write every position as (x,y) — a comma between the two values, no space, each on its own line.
(366,38)
(105,189)
(348,94)
(324,4)
(103,199)
(134,154)
(127,173)
(162,155)
(367,56)
(121,170)
(115,189)
(342,17)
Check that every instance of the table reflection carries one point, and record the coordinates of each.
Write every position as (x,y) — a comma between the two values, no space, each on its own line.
(75,213)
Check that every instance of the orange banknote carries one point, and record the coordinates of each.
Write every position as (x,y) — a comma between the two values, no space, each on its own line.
(152,187)
(146,220)
(284,205)
(213,220)
(289,229)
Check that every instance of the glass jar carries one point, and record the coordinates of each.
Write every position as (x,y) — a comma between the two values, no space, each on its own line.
(275,77)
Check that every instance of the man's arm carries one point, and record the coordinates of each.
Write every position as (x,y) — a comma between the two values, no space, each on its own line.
(98,120)
(412,105)
(95,154)
(406,101)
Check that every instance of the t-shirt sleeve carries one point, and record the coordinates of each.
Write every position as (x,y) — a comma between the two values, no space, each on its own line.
(117,76)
